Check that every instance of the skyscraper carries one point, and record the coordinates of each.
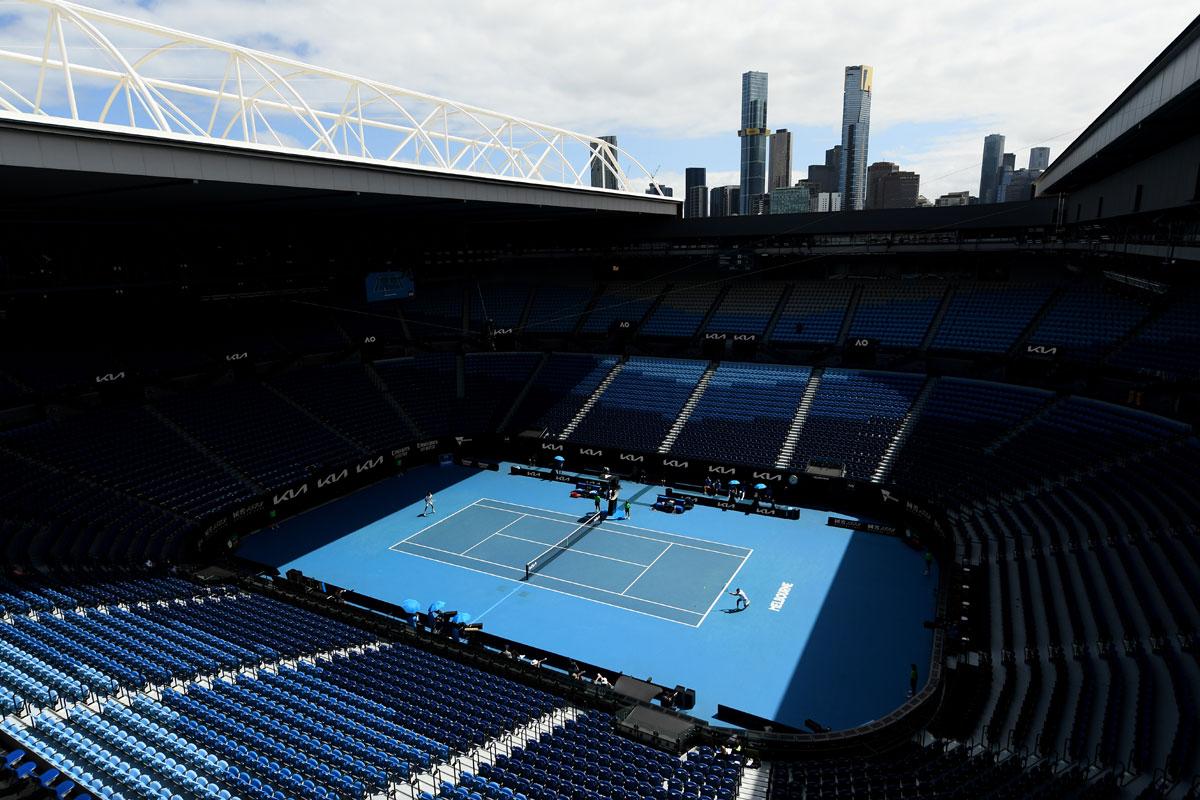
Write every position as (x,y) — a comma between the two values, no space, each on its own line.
(660,190)
(695,193)
(899,189)
(779,176)
(1008,164)
(875,174)
(826,175)
(723,201)
(604,163)
(1039,158)
(753,134)
(993,153)
(856,130)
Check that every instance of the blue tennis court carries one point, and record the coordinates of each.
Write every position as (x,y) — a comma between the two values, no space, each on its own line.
(660,574)
(835,618)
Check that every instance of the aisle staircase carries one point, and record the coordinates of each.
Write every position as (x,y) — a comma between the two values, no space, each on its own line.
(591,401)
(686,412)
(884,470)
(788,449)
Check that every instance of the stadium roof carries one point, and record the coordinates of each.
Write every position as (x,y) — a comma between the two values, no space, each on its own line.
(98,73)
(1159,107)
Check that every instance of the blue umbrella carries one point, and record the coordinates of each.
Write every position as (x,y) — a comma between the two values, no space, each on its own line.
(436,606)
(410,606)
(735,482)
(559,458)
(461,618)
(760,486)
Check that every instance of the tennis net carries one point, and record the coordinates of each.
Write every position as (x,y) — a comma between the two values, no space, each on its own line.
(555,550)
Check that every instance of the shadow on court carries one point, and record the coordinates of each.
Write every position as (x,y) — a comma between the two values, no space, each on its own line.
(325,524)
(870,620)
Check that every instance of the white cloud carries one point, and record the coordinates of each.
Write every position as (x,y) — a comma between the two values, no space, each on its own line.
(670,69)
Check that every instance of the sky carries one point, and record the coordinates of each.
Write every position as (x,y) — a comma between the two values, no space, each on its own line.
(665,76)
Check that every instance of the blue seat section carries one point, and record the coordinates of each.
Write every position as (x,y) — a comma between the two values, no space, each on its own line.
(681,311)
(746,307)
(1078,433)
(961,417)
(622,301)
(377,322)
(988,318)
(1086,321)
(303,330)
(1169,345)
(343,396)
(492,383)
(585,759)
(260,433)
(813,313)
(896,315)
(447,702)
(425,387)
(637,409)
(556,309)
(504,302)
(50,517)
(853,418)
(435,311)
(560,389)
(135,451)
(753,404)
(114,763)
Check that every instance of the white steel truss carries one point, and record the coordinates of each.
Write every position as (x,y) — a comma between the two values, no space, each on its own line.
(81,66)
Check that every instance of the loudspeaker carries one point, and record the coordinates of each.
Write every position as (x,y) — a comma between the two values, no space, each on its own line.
(685,699)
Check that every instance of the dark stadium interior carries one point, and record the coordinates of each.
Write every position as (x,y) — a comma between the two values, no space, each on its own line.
(1016,386)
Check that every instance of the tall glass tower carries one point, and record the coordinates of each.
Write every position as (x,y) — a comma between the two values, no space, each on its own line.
(993,157)
(856,129)
(753,134)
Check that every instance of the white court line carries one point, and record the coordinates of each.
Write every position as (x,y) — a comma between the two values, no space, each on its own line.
(493,533)
(618,524)
(622,533)
(648,566)
(498,602)
(440,521)
(551,577)
(723,588)
(560,547)
(546,588)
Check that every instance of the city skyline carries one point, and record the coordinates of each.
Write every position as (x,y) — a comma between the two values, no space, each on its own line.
(671,107)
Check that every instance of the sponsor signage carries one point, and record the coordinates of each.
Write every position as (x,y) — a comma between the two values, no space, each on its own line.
(768,476)
(859,525)
(591,451)
(530,472)
(632,457)
(231,357)
(1041,351)
(111,377)
(551,447)
(719,470)
(479,463)
(862,343)
(674,463)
